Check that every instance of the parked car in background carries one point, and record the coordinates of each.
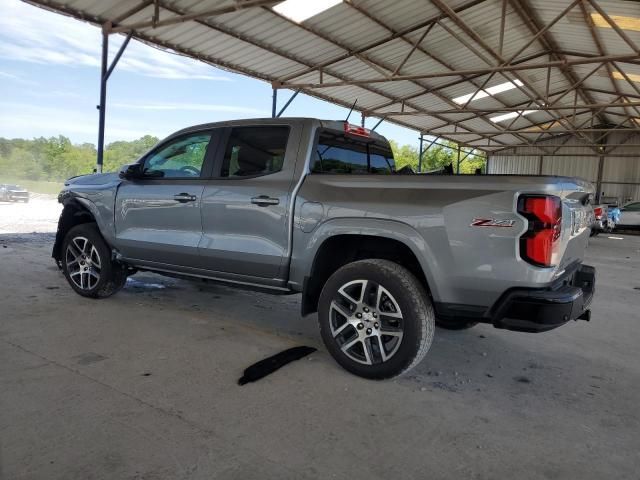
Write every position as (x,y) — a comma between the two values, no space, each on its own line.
(630,215)
(13,193)
(291,205)
(600,221)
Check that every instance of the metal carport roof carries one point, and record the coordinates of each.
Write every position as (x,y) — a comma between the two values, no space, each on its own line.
(568,66)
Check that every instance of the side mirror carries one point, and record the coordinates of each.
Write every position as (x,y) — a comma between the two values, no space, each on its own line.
(131,171)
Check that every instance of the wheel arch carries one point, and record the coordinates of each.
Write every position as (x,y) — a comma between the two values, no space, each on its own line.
(397,242)
(74,213)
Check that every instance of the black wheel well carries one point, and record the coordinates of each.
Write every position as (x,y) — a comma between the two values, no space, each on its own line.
(342,249)
(73,213)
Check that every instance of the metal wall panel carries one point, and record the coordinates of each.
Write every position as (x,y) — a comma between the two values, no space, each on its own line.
(528,165)
(620,171)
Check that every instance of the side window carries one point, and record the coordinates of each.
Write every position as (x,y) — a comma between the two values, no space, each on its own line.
(340,154)
(254,151)
(633,207)
(181,158)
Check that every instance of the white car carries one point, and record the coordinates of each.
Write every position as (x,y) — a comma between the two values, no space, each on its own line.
(630,215)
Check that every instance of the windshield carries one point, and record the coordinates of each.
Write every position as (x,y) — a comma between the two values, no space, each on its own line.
(339,153)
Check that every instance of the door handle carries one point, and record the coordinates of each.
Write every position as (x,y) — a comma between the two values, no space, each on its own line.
(184,198)
(265,201)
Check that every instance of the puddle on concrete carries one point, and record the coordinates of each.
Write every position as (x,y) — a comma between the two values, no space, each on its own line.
(140,285)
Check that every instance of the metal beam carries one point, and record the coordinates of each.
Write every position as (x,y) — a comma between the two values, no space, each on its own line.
(426,52)
(537,108)
(294,95)
(529,17)
(118,55)
(395,35)
(585,155)
(368,61)
(470,71)
(194,16)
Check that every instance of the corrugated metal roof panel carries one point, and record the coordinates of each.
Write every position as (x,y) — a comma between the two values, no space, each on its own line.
(359,40)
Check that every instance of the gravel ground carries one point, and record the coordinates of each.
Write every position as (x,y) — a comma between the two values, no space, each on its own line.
(39,215)
(143,385)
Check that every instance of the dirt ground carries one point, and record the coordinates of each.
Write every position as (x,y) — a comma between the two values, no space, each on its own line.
(143,385)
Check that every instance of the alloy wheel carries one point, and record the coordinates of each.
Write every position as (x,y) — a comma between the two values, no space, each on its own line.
(366,322)
(83,263)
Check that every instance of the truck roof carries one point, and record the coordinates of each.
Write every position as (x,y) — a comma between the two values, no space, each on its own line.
(332,124)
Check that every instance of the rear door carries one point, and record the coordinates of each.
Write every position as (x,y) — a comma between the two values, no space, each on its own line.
(245,207)
(158,216)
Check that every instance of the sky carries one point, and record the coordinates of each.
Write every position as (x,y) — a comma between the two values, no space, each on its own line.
(49,85)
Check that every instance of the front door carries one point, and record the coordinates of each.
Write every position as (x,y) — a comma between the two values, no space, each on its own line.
(245,208)
(158,216)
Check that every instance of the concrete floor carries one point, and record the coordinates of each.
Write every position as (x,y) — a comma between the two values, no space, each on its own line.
(143,386)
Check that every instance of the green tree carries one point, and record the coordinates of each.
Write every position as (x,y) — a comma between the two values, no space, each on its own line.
(57,158)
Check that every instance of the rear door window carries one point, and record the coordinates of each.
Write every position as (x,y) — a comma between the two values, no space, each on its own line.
(253,151)
(338,153)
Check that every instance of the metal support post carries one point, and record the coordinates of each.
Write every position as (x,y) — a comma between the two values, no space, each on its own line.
(103,100)
(420,154)
(274,102)
(601,160)
(105,73)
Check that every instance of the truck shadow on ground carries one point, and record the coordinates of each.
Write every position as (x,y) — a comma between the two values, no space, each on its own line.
(479,360)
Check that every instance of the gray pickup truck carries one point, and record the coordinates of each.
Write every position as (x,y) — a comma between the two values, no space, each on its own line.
(312,206)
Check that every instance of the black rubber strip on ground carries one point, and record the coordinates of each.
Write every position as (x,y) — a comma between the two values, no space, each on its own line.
(270,364)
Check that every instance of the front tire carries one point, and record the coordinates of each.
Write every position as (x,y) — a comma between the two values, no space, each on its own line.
(376,319)
(87,264)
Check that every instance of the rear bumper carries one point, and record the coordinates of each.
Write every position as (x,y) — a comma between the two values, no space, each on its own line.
(539,310)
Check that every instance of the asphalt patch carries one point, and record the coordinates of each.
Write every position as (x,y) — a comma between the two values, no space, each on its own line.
(269,365)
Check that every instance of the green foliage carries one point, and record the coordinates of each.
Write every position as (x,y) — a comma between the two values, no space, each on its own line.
(438,156)
(57,159)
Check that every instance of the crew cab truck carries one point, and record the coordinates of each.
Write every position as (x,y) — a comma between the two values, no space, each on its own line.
(304,205)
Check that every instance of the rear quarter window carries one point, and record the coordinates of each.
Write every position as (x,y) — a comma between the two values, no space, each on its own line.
(337,153)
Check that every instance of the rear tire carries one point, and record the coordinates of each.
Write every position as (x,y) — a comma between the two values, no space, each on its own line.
(87,265)
(376,319)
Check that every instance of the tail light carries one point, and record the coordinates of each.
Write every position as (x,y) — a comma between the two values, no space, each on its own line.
(356,130)
(597,212)
(541,240)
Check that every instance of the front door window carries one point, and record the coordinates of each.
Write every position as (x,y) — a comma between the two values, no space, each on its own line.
(180,158)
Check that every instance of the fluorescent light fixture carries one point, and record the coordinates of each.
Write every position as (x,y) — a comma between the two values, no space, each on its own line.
(632,76)
(503,87)
(301,10)
(625,23)
(507,116)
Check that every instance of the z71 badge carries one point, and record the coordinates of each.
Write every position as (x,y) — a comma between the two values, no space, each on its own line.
(491,222)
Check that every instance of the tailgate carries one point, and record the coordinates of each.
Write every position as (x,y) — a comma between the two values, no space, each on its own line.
(577,216)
